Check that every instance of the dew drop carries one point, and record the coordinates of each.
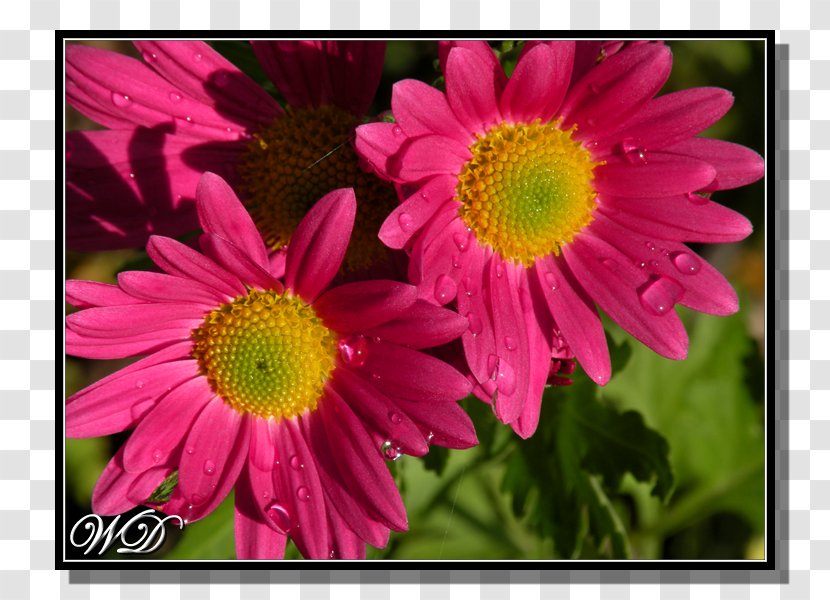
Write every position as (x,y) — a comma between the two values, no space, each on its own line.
(197,499)
(659,295)
(197,57)
(157,455)
(279,517)
(502,374)
(331,554)
(397,130)
(699,199)
(395,417)
(149,57)
(295,463)
(175,97)
(509,342)
(139,384)
(499,270)
(222,79)
(456,261)
(467,284)
(609,263)
(653,264)
(190,450)
(462,240)
(685,263)
(121,100)
(651,246)
(445,289)
(406,222)
(354,350)
(551,280)
(132,175)
(633,151)
(641,264)
(390,451)
(430,437)
(476,326)
(303,493)
(209,467)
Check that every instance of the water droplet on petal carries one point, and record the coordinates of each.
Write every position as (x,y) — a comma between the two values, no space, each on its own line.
(149,57)
(634,151)
(406,221)
(651,246)
(390,451)
(157,455)
(430,437)
(190,450)
(397,130)
(509,342)
(175,97)
(395,417)
(502,374)
(132,175)
(469,288)
(653,264)
(197,57)
(303,493)
(222,79)
(641,264)
(659,295)
(462,240)
(295,463)
(610,263)
(354,350)
(456,261)
(279,517)
(698,198)
(209,467)
(445,289)
(139,384)
(476,326)
(499,270)
(551,280)
(685,263)
(121,100)
(197,499)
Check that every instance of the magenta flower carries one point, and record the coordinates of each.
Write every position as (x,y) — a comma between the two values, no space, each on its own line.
(287,391)
(186,110)
(535,197)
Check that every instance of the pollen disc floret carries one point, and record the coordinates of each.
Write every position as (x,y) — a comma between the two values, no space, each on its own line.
(266,353)
(527,189)
(300,157)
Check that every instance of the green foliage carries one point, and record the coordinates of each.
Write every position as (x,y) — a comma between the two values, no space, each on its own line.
(163,492)
(209,538)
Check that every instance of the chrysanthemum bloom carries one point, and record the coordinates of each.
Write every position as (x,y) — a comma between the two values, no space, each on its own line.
(535,198)
(289,392)
(186,110)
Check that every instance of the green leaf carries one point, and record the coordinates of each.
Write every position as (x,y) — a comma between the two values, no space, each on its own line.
(163,492)
(209,538)
(85,461)
(705,408)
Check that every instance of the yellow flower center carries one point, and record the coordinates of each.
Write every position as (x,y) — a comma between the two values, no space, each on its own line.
(299,158)
(527,190)
(266,353)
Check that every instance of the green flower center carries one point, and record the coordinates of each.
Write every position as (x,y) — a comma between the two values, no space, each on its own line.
(266,353)
(527,190)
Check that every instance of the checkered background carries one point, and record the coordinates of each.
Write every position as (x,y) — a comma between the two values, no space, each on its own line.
(28,302)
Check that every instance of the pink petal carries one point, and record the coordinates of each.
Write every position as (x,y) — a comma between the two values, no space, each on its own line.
(408,218)
(705,289)
(576,316)
(164,429)
(88,294)
(354,70)
(406,373)
(377,143)
(471,90)
(478,341)
(368,476)
(301,492)
(347,544)
(660,175)
(255,539)
(678,218)
(134,319)
(123,400)
(616,89)
(420,109)
(146,483)
(449,424)
(423,325)
(612,280)
(158,287)
(108,348)
(205,75)
(298,69)
(442,260)
(262,451)
(221,213)
(735,165)
(319,244)
(364,304)
(428,156)
(131,94)
(213,438)
(538,84)
(109,497)
(177,259)
(670,119)
(482,50)
(379,414)
(238,262)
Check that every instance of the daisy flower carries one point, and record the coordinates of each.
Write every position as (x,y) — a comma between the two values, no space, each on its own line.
(186,109)
(537,197)
(290,392)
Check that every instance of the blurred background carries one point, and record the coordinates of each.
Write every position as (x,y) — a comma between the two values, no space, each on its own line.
(503,499)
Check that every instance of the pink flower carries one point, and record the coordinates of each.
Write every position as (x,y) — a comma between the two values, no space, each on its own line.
(288,391)
(186,110)
(535,197)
